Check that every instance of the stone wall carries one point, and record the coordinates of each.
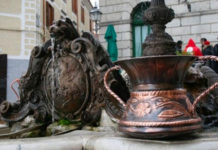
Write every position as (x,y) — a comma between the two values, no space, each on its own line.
(32,33)
(202,21)
(10,27)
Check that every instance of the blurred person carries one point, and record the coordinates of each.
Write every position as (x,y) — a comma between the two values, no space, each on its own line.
(179,46)
(202,41)
(215,50)
(192,49)
(207,48)
(215,63)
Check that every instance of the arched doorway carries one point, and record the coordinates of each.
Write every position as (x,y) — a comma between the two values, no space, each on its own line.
(140,30)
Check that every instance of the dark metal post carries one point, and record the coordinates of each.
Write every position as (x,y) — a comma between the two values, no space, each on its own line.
(96,27)
(159,42)
(3,77)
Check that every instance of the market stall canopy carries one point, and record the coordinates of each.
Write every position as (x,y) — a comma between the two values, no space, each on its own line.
(110,37)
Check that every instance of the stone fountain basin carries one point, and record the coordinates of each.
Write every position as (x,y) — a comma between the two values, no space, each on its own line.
(110,140)
(5,132)
(4,129)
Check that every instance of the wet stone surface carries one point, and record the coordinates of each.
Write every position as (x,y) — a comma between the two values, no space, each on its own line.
(86,140)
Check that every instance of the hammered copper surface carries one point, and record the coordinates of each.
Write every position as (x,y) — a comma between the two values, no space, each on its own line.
(157,72)
(158,106)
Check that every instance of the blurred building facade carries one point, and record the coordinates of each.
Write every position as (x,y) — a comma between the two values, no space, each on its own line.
(194,19)
(24,24)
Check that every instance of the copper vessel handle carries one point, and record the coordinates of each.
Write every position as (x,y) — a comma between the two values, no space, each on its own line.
(206,92)
(108,88)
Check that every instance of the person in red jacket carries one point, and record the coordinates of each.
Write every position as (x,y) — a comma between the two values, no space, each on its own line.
(193,49)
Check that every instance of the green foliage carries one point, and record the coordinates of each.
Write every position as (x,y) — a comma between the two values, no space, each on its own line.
(183,53)
(64,122)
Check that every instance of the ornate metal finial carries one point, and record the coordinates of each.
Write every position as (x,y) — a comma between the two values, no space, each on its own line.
(159,42)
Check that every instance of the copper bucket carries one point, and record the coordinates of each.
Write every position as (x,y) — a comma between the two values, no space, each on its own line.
(158,106)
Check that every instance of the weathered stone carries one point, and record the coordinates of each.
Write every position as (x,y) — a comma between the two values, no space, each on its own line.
(112,17)
(28,122)
(200,29)
(32,134)
(16,127)
(126,53)
(205,19)
(123,28)
(180,30)
(170,2)
(125,15)
(123,44)
(214,4)
(201,6)
(56,128)
(2,125)
(126,36)
(175,23)
(78,140)
(214,27)
(190,21)
(107,121)
(180,9)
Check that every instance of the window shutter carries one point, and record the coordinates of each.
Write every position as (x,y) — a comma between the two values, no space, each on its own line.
(49,14)
(74,6)
(82,15)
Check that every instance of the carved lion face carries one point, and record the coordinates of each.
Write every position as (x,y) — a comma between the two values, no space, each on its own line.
(64,29)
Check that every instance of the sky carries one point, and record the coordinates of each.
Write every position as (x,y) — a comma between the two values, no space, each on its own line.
(93,2)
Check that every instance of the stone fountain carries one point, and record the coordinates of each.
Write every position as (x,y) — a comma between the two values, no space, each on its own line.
(64,80)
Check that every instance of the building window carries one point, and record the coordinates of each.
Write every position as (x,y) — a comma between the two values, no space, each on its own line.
(140,30)
(74,6)
(49,14)
(82,15)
